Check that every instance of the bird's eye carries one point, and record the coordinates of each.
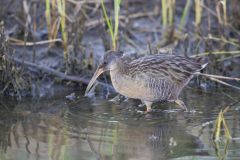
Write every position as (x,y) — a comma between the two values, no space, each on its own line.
(105,63)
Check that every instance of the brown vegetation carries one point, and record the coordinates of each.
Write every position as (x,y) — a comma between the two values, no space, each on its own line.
(65,38)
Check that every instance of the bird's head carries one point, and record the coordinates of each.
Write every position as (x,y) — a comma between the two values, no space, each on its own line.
(109,60)
(108,63)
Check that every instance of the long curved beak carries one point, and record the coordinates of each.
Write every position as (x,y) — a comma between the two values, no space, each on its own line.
(98,72)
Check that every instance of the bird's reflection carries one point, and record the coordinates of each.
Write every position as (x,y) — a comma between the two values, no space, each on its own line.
(97,130)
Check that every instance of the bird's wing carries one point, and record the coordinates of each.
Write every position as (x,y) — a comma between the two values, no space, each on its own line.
(175,68)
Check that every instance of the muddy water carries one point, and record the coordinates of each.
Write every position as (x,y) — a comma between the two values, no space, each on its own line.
(93,128)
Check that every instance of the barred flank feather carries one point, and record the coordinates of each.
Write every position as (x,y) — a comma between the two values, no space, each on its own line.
(150,78)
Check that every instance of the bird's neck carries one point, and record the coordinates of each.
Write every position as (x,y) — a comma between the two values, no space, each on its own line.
(120,67)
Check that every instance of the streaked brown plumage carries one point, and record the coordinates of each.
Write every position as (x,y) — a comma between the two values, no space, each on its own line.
(151,78)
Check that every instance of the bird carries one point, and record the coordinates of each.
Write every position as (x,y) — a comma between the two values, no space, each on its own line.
(150,78)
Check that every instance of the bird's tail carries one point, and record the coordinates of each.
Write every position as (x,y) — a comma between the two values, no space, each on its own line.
(203,61)
(204,65)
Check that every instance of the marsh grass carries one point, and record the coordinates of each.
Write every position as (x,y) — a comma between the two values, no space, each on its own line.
(224,3)
(168,29)
(113,30)
(12,81)
(164,12)
(221,154)
(221,124)
(48,18)
(198,12)
(217,53)
(168,10)
(184,15)
(54,23)
(221,127)
(62,9)
(221,10)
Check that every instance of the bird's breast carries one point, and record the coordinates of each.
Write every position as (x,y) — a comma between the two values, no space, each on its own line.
(132,87)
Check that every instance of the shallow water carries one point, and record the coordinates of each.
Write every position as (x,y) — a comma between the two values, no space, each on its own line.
(94,128)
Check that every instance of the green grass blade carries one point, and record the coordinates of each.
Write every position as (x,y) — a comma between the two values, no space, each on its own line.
(198,12)
(61,9)
(226,130)
(48,17)
(217,129)
(164,12)
(224,4)
(171,8)
(109,24)
(185,13)
(116,14)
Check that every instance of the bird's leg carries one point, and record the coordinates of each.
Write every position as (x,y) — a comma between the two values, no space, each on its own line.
(181,104)
(148,105)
